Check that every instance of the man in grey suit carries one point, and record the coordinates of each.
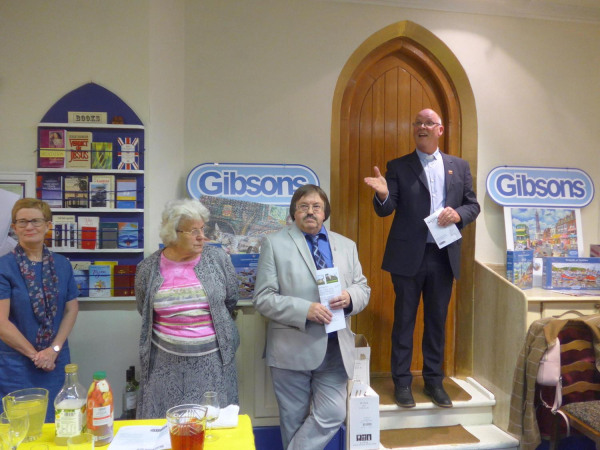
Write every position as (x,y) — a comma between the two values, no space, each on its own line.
(309,367)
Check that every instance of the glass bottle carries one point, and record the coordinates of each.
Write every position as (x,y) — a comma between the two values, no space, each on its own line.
(101,410)
(129,397)
(70,407)
(136,383)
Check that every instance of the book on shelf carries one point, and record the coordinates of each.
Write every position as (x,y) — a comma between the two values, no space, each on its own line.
(102,191)
(128,235)
(89,238)
(52,149)
(76,191)
(88,232)
(124,276)
(65,232)
(48,237)
(112,265)
(102,155)
(126,192)
(129,155)
(50,189)
(79,146)
(81,273)
(99,281)
(109,232)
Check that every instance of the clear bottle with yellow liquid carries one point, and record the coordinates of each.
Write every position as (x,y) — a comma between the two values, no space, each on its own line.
(70,407)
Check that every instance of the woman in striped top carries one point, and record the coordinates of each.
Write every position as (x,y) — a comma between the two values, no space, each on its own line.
(186,293)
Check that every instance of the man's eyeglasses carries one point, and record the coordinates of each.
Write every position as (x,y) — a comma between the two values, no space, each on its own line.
(305,208)
(22,223)
(195,232)
(429,124)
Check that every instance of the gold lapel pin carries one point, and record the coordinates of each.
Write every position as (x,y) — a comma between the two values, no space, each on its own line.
(449,172)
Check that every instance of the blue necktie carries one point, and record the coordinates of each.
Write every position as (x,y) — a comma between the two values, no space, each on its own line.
(316,254)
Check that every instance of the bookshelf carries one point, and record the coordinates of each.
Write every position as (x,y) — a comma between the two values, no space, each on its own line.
(96,190)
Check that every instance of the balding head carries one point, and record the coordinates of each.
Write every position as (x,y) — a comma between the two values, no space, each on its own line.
(427,130)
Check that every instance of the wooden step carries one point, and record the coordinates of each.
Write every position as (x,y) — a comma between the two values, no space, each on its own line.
(472,405)
(480,437)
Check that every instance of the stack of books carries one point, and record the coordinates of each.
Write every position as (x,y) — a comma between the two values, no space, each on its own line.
(104,278)
(90,233)
(81,191)
(61,149)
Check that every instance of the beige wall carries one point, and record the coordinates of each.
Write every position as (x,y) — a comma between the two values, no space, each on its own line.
(253,81)
(260,78)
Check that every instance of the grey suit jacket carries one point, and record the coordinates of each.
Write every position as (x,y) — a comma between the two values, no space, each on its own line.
(285,288)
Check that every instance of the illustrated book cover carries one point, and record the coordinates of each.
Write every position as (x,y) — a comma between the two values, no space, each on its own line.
(79,146)
(128,154)
(50,189)
(102,155)
(76,191)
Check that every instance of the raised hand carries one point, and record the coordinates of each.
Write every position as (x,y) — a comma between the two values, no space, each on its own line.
(379,184)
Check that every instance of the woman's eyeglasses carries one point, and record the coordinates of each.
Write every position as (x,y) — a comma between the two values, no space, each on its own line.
(22,223)
(195,232)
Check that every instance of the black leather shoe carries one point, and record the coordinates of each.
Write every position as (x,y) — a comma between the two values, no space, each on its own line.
(403,396)
(438,396)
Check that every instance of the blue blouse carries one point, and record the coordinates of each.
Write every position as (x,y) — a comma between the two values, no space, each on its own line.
(16,370)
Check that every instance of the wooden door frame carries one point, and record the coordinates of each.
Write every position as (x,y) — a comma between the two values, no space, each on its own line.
(427,48)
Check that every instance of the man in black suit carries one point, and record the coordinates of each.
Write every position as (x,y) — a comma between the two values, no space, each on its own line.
(415,186)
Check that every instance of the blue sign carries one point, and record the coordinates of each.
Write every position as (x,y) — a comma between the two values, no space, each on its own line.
(272,184)
(540,186)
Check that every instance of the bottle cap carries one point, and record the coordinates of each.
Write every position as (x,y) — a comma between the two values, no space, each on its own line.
(71,368)
(101,375)
(128,375)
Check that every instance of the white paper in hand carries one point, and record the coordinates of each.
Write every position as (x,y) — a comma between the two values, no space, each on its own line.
(443,236)
(328,282)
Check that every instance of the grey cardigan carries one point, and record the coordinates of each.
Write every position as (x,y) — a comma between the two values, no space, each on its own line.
(219,280)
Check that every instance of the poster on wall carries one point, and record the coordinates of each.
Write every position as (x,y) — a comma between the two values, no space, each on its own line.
(237,227)
(542,207)
(246,201)
(549,232)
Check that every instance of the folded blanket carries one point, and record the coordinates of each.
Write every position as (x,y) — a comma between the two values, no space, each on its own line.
(228,418)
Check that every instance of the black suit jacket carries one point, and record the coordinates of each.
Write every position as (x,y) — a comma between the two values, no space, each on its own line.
(409,198)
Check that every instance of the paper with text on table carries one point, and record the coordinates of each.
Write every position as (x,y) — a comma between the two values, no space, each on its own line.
(328,282)
(141,437)
(443,236)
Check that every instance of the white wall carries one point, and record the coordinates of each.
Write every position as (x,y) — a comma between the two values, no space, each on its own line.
(48,49)
(240,81)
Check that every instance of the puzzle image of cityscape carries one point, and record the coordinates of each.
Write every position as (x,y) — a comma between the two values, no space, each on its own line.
(549,232)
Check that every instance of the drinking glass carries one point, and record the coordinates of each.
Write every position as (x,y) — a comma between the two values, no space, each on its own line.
(187,424)
(4,437)
(35,402)
(83,441)
(17,423)
(210,400)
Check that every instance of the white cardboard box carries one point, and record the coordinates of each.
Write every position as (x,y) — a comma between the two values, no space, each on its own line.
(362,430)
(362,359)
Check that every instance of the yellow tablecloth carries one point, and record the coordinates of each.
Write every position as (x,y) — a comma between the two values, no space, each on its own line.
(239,438)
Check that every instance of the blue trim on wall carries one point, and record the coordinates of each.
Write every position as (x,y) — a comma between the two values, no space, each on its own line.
(269,438)
(91,97)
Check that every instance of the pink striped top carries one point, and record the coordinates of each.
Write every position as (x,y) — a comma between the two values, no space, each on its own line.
(182,320)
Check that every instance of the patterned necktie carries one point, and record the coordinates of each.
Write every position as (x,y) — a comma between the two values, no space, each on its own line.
(316,254)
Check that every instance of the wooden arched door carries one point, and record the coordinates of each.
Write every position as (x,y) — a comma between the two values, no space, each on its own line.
(386,90)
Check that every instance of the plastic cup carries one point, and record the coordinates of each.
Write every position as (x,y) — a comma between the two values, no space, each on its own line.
(187,424)
(84,441)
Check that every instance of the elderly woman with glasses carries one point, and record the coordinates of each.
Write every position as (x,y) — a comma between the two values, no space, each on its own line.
(186,294)
(38,306)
